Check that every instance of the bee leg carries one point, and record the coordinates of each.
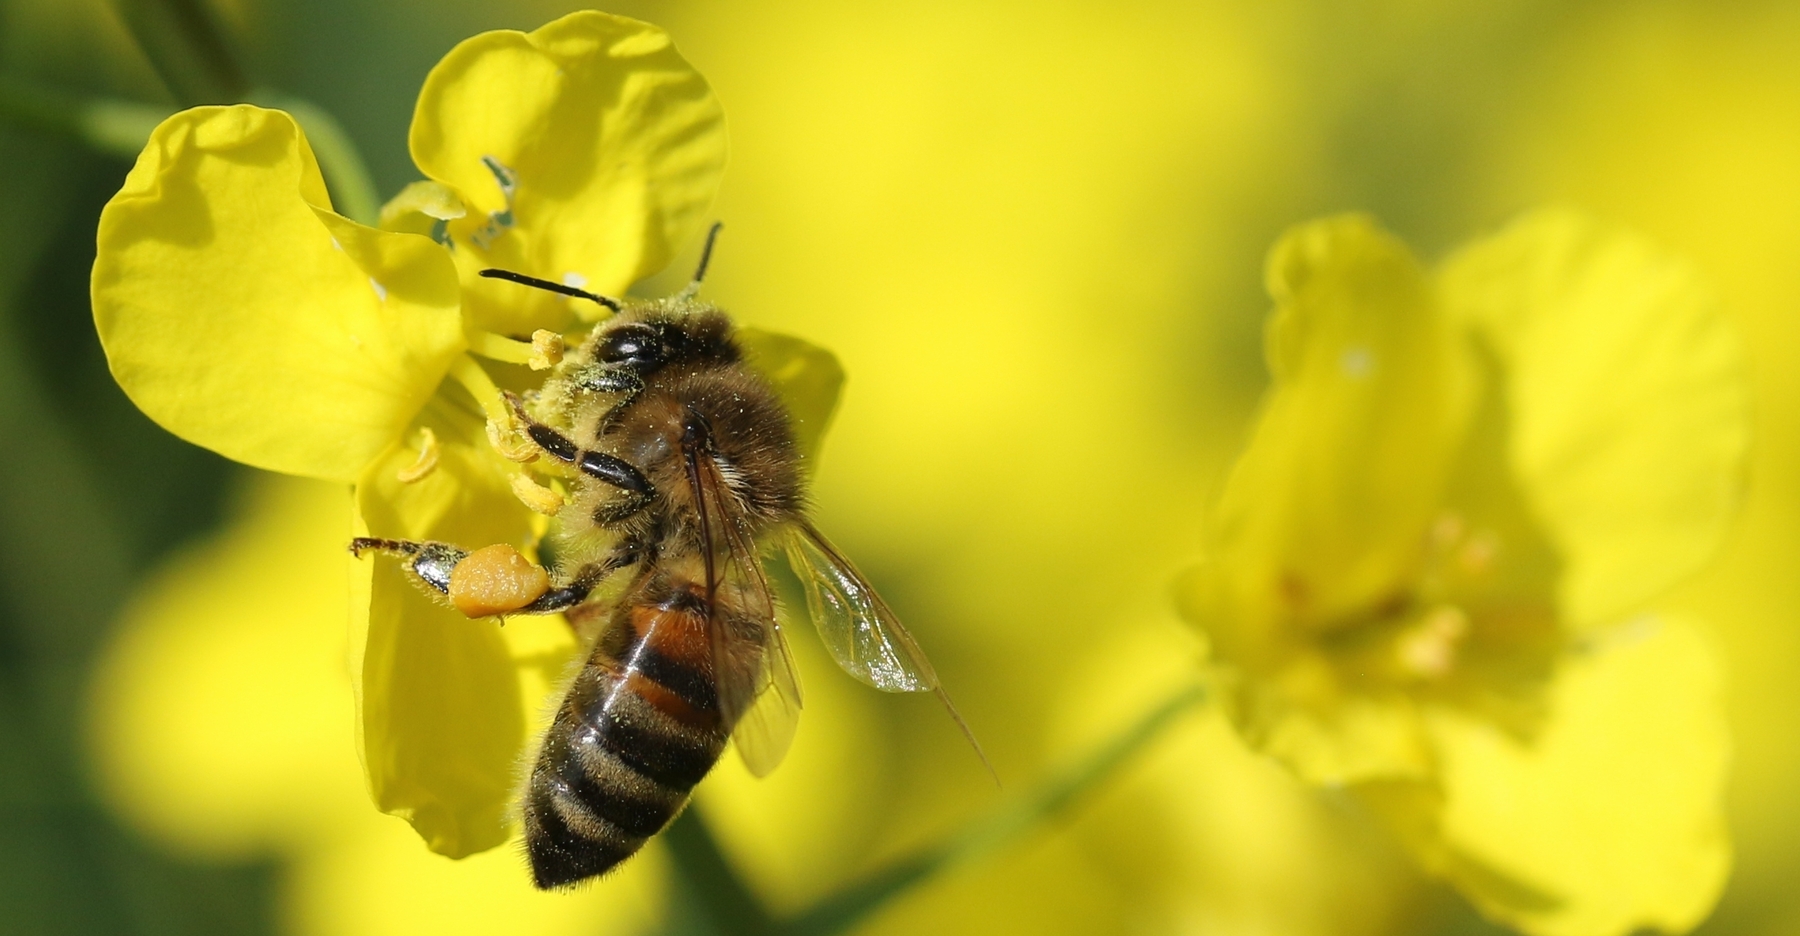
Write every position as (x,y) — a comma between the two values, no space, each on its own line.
(490,581)
(430,562)
(584,581)
(623,509)
(502,582)
(601,466)
(612,380)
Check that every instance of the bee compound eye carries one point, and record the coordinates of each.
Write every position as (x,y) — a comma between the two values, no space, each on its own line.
(632,344)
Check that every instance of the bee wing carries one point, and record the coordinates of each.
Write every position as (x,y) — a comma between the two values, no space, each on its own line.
(858,628)
(758,686)
(765,730)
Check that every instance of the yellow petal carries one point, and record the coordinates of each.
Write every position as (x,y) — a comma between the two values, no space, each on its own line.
(1228,823)
(1612,819)
(241,314)
(616,144)
(1328,508)
(423,207)
(1627,395)
(808,378)
(219,715)
(438,698)
(381,883)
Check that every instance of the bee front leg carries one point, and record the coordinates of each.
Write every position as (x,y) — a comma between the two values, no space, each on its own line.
(497,579)
(601,466)
(618,380)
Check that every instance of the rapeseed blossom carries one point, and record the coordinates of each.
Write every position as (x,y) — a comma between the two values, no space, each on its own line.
(1433,566)
(242,313)
(218,723)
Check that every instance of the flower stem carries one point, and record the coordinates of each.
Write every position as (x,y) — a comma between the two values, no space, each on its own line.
(713,900)
(110,126)
(716,902)
(848,907)
(190,52)
(120,128)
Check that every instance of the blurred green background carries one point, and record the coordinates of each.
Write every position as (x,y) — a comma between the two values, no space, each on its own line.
(1034,234)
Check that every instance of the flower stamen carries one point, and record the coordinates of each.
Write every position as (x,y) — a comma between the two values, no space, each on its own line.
(501,348)
(426,462)
(546,349)
(539,498)
(500,436)
(499,222)
(1428,649)
(467,372)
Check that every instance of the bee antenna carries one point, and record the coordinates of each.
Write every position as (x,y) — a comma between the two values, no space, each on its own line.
(549,286)
(712,237)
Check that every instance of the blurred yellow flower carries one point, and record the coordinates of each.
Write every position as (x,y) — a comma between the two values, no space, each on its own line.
(243,314)
(1432,563)
(217,722)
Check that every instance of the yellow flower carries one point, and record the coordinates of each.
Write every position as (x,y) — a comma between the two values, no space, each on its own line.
(1433,562)
(217,724)
(243,314)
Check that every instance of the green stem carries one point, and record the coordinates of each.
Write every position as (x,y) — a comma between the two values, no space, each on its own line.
(114,127)
(714,901)
(120,128)
(189,50)
(353,190)
(1011,821)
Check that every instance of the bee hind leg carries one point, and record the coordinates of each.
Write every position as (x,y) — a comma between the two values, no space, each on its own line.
(584,581)
(494,580)
(431,563)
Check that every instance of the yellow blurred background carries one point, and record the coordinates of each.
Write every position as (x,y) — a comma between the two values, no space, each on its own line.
(1033,233)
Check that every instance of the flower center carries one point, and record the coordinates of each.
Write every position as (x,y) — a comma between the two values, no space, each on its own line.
(1428,649)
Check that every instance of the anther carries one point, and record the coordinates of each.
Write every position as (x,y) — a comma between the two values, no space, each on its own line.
(427,461)
(1429,648)
(536,496)
(501,439)
(546,349)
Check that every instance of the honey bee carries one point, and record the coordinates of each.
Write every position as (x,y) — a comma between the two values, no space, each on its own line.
(683,470)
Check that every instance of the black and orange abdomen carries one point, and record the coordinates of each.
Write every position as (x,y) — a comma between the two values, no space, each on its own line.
(638,728)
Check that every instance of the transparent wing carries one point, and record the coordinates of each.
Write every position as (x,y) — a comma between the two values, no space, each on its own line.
(858,628)
(765,731)
(758,686)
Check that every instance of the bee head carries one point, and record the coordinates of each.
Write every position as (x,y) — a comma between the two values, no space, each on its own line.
(647,339)
(644,337)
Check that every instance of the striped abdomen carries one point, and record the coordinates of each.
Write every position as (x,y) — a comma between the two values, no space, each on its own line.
(639,727)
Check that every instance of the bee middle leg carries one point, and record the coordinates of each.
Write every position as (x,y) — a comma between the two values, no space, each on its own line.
(497,580)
